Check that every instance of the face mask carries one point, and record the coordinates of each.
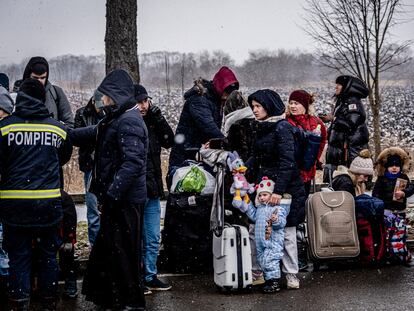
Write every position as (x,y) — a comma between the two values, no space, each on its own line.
(97,98)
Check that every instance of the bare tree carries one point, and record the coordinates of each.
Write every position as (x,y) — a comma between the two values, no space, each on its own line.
(121,37)
(355,36)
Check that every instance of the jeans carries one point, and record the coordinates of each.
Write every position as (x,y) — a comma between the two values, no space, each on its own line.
(151,237)
(92,210)
(18,243)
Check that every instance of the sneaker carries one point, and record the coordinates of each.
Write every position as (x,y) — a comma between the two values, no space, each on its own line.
(147,291)
(271,286)
(292,281)
(257,277)
(156,284)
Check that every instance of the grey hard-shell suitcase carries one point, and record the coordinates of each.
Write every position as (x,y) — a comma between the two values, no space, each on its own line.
(332,228)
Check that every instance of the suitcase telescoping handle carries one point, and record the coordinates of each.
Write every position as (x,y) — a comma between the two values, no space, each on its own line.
(219,201)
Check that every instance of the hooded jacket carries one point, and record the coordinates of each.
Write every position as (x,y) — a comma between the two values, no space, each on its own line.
(384,186)
(121,144)
(56,101)
(274,154)
(32,147)
(348,132)
(6,102)
(200,119)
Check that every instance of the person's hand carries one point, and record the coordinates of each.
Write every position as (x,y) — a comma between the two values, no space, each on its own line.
(206,145)
(155,111)
(399,195)
(275,199)
(326,117)
(274,218)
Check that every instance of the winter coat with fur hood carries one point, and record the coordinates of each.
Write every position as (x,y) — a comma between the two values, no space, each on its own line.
(348,132)
(384,186)
(201,116)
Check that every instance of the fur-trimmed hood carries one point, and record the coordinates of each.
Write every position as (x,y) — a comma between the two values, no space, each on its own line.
(383,156)
(340,170)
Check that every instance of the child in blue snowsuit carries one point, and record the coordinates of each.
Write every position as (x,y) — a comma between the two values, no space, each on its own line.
(269,233)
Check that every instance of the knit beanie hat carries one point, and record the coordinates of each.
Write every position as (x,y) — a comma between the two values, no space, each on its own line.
(140,93)
(302,97)
(235,101)
(266,185)
(4,81)
(362,164)
(6,102)
(393,160)
(33,88)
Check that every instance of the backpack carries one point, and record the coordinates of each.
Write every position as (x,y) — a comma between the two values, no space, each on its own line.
(371,229)
(306,148)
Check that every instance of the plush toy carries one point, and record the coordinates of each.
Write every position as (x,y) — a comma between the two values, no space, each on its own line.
(240,187)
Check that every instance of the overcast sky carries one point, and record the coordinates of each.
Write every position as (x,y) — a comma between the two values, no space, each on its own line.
(57,27)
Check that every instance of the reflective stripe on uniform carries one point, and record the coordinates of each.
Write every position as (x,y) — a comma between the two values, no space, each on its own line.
(33,127)
(30,194)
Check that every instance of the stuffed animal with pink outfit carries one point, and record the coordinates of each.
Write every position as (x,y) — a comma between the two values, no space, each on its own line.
(240,187)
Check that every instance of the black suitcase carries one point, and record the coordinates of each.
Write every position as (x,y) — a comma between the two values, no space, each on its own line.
(186,237)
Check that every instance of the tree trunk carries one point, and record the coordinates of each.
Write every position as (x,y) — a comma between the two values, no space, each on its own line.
(121,37)
(376,122)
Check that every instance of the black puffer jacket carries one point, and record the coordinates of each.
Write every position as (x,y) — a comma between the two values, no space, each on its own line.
(274,157)
(200,121)
(384,190)
(160,135)
(86,116)
(348,127)
(121,144)
(241,138)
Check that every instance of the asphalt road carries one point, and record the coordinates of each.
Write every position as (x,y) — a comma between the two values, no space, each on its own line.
(386,288)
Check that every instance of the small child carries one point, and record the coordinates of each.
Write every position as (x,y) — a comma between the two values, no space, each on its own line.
(270,222)
(392,163)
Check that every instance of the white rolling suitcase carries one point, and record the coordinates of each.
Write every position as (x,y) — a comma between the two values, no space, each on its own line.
(232,259)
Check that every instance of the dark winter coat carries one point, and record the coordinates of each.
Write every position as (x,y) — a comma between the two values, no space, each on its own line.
(343,182)
(86,116)
(69,220)
(241,137)
(32,147)
(199,122)
(160,135)
(384,190)
(384,187)
(348,132)
(309,123)
(56,101)
(121,144)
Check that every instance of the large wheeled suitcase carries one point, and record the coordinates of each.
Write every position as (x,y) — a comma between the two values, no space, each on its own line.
(332,225)
(232,259)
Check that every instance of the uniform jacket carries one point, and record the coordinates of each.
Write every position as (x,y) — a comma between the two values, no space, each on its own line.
(32,147)
(348,132)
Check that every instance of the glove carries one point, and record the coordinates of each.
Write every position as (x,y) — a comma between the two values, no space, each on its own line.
(155,112)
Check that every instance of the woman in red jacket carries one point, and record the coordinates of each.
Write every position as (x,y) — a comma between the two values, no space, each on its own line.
(300,113)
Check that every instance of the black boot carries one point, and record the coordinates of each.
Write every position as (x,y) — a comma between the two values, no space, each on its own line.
(271,286)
